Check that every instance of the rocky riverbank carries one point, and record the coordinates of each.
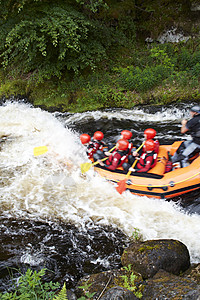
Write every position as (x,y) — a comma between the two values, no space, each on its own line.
(154,269)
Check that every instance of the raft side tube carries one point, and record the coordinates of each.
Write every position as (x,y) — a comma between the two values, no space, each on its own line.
(162,159)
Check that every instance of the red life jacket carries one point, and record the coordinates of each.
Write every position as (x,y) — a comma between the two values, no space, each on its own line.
(143,159)
(93,147)
(117,159)
(130,147)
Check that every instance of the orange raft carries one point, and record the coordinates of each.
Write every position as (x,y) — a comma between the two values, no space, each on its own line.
(156,183)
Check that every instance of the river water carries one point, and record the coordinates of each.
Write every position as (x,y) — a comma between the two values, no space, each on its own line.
(51,216)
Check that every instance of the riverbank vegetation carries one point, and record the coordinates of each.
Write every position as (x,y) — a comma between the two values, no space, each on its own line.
(78,55)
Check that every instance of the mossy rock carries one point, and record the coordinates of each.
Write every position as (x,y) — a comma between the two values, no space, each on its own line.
(168,286)
(194,273)
(148,257)
(118,292)
(96,283)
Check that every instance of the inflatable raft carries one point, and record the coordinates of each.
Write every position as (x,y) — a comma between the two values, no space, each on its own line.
(156,183)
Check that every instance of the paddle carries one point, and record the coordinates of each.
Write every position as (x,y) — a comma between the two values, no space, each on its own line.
(40,150)
(121,186)
(86,166)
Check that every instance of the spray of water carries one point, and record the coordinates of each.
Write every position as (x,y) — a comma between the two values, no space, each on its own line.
(51,186)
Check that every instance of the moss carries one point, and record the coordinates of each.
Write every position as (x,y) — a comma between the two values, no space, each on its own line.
(62,96)
(13,87)
(146,247)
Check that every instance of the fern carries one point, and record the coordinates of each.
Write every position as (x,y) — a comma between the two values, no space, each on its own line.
(62,295)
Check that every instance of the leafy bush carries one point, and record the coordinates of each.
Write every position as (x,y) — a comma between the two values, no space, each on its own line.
(142,80)
(187,59)
(101,97)
(195,71)
(183,79)
(110,97)
(30,286)
(46,38)
(53,39)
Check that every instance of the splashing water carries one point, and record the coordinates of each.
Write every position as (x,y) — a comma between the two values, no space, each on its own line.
(51,187)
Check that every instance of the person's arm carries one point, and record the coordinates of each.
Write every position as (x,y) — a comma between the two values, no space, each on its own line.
(108,153)
(115,163)
(147,167)
(184,126)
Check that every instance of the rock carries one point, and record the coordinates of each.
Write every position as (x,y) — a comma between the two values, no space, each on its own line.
(168,286)
(71,295)
(148,257)
(173,35)
(194,273)
(100,284)
(119,293)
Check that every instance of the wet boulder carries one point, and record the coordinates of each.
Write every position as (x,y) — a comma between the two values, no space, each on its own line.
(148,257)
(165,285)
(122,282)
(119,293)
(194,273)
(71,295)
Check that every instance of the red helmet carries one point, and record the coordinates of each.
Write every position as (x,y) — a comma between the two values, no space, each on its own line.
(149,145)
(98,135)
(150,133)
(122,144)
(85,138)
(127,135)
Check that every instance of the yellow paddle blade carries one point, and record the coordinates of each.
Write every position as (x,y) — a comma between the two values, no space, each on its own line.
(85,167)
(40,150)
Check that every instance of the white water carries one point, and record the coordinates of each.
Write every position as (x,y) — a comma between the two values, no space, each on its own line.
(172,114)
(51,186)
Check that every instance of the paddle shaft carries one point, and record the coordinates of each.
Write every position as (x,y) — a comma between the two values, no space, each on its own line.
(121,186)
(86,166)
(97,162)
(135,161)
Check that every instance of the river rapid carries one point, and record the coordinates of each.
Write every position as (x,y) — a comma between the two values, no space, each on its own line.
(52,216)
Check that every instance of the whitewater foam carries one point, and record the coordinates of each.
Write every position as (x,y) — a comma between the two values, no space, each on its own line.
(52,187)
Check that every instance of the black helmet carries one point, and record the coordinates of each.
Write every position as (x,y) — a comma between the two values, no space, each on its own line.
(195,108)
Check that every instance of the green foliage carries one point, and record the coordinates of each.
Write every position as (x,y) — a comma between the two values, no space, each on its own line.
(93,5)
(195,70)
(129,282)
(184,79)
(46,38)
(85,288)
(59,52)
(53,39)
(128,29)
(109,97)
(62,295)
(14,87)
(18,5)
(187,60)
(134,78)
(163,63)
(30,286)
(161,58)
(136,235)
